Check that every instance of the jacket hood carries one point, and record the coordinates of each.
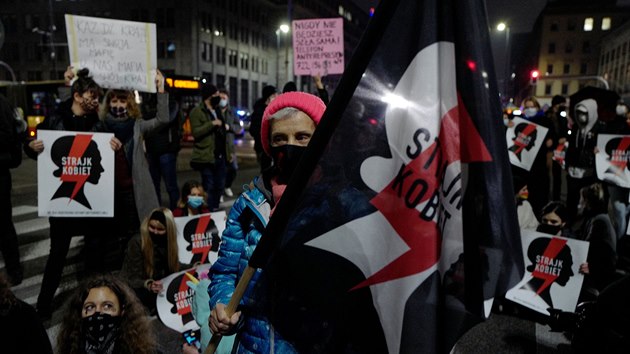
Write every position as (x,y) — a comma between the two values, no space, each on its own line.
(590,105)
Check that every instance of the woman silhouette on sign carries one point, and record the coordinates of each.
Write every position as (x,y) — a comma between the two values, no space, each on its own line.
(541,281)
(72,184)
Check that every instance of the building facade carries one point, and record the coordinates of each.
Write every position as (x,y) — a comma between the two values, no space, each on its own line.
(614,60)
(232,43)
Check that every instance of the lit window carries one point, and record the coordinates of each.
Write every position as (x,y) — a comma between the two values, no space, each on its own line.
(588,24)
(606,24)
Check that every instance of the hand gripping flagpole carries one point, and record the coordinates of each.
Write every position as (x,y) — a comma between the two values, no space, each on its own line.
(271,237)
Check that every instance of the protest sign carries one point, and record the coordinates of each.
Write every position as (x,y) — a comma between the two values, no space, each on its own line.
(198,237)
(524,139)
(560,153)
(552,277)
(120,54)
(611,161)
(174,302)
(75,174)
(318,46)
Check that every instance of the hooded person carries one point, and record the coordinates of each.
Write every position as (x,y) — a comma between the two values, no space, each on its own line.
(580,156)
(286,129)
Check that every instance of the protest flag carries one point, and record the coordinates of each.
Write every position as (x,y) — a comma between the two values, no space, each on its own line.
(399,225)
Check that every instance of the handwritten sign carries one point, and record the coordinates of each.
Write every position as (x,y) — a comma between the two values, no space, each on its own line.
(120,54)
(318,46)
(75,174)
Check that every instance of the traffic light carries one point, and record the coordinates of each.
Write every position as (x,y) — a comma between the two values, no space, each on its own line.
(533,77)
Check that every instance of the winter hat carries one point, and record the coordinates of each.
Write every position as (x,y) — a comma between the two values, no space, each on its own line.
(557,99)
(207,90)
(311,105)
(268,91)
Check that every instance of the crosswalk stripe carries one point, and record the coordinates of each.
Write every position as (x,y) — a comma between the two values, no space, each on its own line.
(23,210)
(32,225)
(41,248)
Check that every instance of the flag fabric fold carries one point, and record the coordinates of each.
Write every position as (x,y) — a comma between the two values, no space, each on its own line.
(405,228)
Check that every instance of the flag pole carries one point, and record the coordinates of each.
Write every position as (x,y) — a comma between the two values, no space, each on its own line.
(271,236)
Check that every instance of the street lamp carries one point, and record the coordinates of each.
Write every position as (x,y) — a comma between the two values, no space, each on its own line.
(284,28)
(503,27)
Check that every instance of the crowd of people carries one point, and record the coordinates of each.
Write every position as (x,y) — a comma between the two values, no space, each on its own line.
(561,193)
(110,310)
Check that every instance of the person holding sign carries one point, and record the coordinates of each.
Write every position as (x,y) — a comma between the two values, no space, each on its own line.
(193,200)
(288,123)
(78,113)
(135,194)
(152,255)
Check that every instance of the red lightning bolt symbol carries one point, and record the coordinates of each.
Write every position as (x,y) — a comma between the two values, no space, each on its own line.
(526,132)
(622,163)
(79,145)
(202,226)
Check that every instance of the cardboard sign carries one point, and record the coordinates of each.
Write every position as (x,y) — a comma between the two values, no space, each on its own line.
(75,174)
(318,46)
(552,277)
(524,140)
(611,162)
(198,237)
(120,54)
(174,302)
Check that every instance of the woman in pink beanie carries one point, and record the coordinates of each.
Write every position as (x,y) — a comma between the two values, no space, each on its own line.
(287,127)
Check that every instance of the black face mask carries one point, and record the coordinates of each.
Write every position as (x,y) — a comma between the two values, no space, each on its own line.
(118,112)
(549,229)
(101,331)
(160,240)
(215,100)
(286,158)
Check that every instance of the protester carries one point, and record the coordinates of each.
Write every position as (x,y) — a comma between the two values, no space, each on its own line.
(233,127)
(538,179)
(78,113)
(104,316)
(286,129)
(580,157)
(210,148)
(559,132)
(12,129)
(268,94)
(134,194)
(151,256)
(21,330)
(162,149)
(553,220)
(597,229)
(193,200)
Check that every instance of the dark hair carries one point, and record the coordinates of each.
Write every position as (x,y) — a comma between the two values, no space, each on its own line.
(207,90)
(224,91)
(555,207)
(135,331)
(85,83)
(289,87)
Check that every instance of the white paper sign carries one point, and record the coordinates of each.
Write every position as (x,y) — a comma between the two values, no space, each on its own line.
(524,139)
(120,54)
(611,161)
(318,46)
(75,174)
(552,277)
(174,302)
(199,237)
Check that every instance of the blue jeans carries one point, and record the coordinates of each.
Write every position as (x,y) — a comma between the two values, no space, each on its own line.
(165,166)
(213,181)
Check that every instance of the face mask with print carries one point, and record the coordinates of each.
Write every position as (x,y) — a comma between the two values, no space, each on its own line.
(100,331)
(195,201)
(89,106)
(530,112)
(118,112)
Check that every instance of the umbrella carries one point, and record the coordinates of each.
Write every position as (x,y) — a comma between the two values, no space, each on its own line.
(606,102)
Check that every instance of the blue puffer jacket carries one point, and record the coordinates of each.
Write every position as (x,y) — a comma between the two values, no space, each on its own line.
(247,219)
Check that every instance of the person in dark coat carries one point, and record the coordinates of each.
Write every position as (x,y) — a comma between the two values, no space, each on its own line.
(268,94)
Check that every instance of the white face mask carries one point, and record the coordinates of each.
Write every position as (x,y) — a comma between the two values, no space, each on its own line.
(622,110)
(223,103)
(530,112)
